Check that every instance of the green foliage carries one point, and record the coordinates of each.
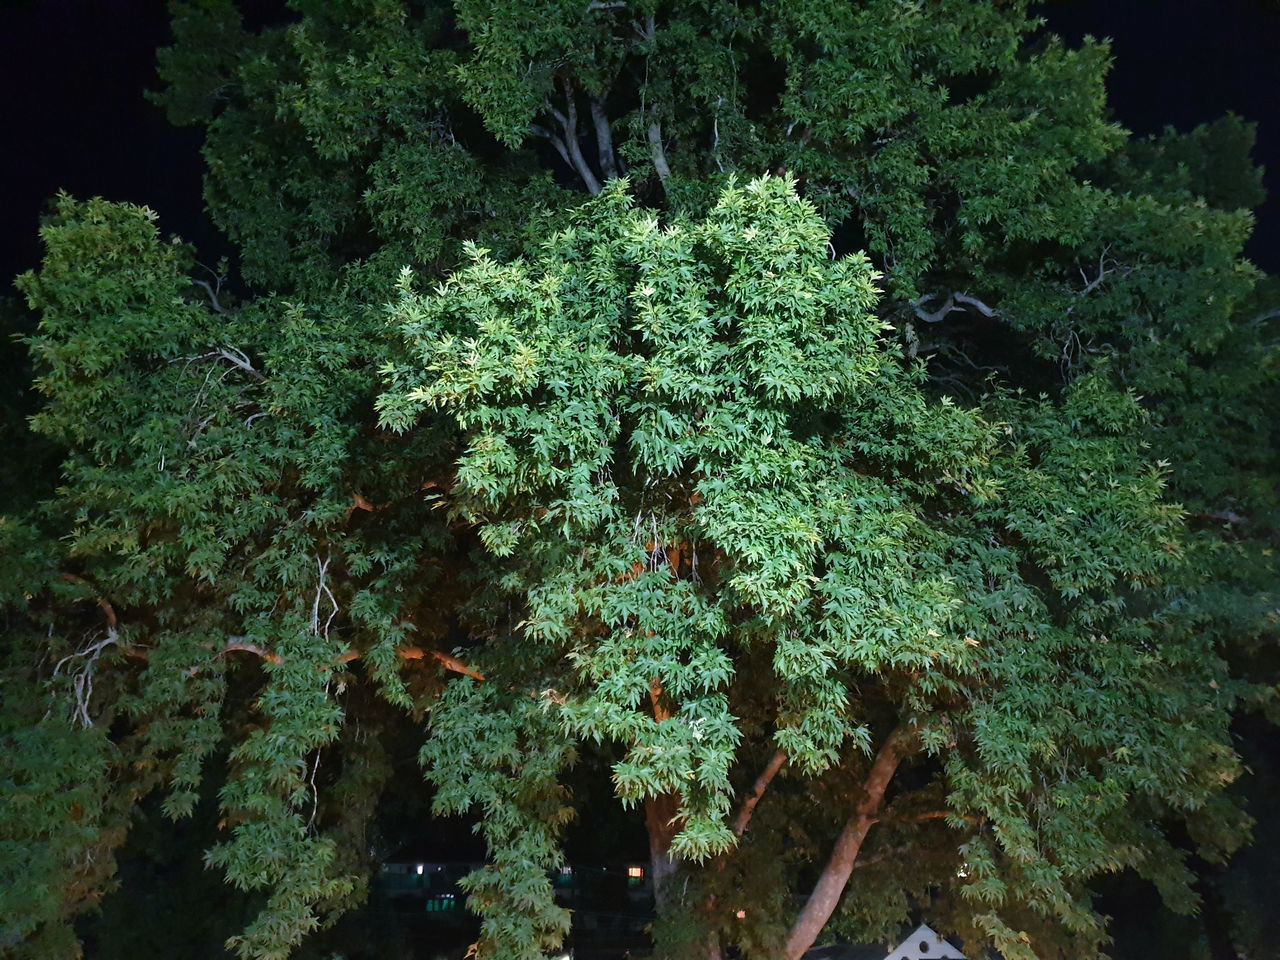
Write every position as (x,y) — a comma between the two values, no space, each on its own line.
(683,471)
(210,500)
(704,495)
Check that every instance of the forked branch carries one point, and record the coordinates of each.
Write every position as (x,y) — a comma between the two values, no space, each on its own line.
(567,142)
(835,876)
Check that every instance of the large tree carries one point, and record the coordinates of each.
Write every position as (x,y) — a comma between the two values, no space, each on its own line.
(553,403)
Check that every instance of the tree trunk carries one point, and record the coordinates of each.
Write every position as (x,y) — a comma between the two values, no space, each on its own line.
(835,876)
(660,818)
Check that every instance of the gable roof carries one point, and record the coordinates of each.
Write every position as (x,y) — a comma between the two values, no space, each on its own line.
(924,944)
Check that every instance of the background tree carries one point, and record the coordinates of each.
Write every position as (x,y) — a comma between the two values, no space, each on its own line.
(240,559)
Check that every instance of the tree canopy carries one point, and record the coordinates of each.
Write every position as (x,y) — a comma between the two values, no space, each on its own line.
(820,411)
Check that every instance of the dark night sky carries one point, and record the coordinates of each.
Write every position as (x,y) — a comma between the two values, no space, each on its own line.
(72,114)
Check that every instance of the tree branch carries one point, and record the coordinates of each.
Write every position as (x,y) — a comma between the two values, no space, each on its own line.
(107,610)
(417,653)
(243,645)
(658,154)
(240,644)
(604,139)
(882,856)
(239,359)
(1226,516)
(213,296)
(835,876)
(950,304)
(555,141)
(660,712)
(445,660)
(937,315)
(1103,272)
(982,308)
(757,791)
(569,123)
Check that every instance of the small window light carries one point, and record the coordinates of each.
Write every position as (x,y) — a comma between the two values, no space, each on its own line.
(635,873)
(420,869)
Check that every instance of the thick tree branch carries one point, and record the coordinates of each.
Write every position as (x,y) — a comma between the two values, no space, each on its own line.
(604,139)
(757,791)
(239,359)
(660,712)
(982,308)
(1229,517)
(835,876)
(658,154)
(954,301)
(568,121)
(445,660)
(242,645)
(555,141)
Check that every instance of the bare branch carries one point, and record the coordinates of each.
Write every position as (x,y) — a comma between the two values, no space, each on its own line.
(977,304)
(757,791)
(555,142)
(579,162)
(567,146)
(445,660)
(82,680)
(213,296)
(450,663)
(235,644)
(658,153)
(604,139)
(1104,271)
(937,315)
(322,589)
(950,304)
(1229,517)
(239,359)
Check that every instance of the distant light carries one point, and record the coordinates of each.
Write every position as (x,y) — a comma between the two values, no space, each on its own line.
(419,869)
(742,914)
(566,871)
(635,873)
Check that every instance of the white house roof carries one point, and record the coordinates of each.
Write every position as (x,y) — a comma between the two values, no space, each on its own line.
(924,944)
